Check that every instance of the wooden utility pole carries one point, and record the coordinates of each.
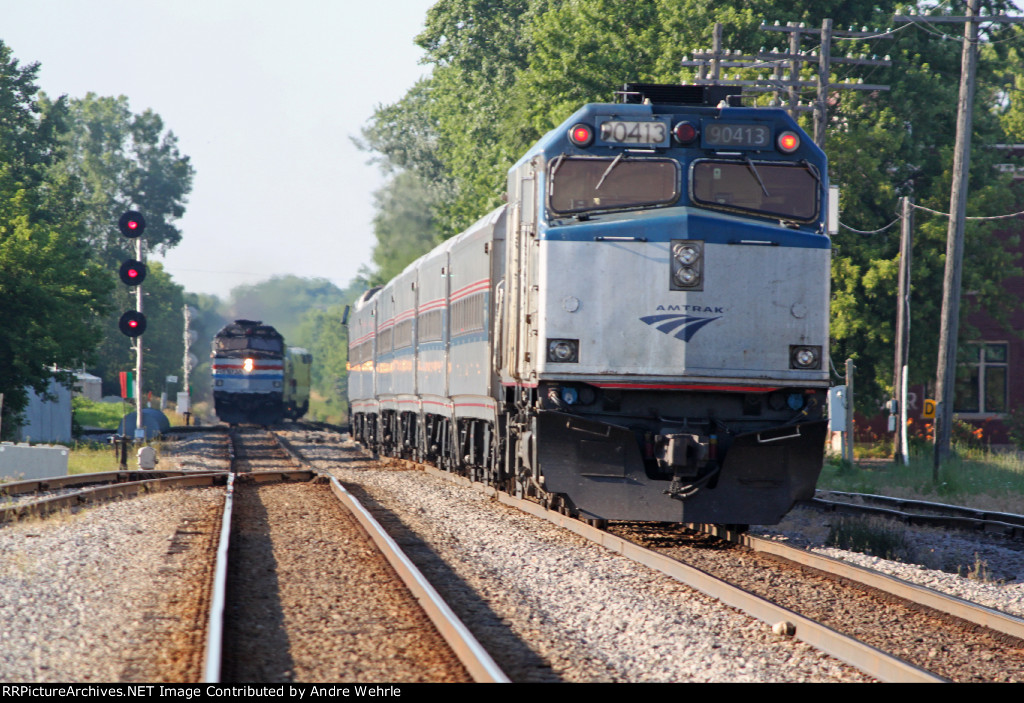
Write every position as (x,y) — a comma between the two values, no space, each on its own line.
(949,324)
(950,321)
(786,65)
(899,386)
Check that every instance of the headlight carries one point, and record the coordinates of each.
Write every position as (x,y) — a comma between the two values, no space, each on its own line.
(804,357)
(247,365)
(563,351)
(685,254)
(687,265)
(686,277)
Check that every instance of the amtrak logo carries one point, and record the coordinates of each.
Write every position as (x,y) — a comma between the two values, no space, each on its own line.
(680,326)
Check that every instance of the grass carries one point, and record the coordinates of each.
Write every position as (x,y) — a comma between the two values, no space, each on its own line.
(92,457)
(973,477)
(880,538)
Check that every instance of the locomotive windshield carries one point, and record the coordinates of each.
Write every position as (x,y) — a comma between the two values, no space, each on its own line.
(223,344)
(785,190)
(579,184)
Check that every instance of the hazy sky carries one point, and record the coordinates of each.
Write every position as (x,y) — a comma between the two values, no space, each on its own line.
(263,95)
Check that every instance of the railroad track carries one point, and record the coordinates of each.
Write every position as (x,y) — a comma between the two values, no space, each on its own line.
(939,638)
(920,513)
(297,555)
(39,497)
(939,635)
(286,539)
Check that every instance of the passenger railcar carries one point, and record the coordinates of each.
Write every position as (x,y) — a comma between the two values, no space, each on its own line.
(640,333)
(256,378)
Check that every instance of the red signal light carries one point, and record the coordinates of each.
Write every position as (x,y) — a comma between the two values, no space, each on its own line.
(132,224)
(132,323)
(132,272)
(581,134)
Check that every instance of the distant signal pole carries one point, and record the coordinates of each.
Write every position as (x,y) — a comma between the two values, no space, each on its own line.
(133,323)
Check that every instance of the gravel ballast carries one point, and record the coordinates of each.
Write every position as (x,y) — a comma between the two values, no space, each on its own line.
(550,606)
(581,612)
(104,594)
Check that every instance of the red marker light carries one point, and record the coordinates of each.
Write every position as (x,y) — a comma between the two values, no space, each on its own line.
(684,132)
(581,135)
(788,142)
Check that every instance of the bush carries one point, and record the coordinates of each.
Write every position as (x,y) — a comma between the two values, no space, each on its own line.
(89,413)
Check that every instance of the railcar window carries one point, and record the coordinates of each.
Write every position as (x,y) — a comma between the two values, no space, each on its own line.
(430,329)
(579,184)
(785,190)
(365,352)
(384,340)
(403,334)
(468,314)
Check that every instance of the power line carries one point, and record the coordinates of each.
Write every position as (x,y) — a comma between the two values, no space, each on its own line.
(787,66)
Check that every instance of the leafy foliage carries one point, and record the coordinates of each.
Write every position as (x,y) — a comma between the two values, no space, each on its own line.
(281,301)
(53,292)
(122,161)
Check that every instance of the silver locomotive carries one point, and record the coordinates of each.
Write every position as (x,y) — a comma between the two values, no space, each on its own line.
(640,333)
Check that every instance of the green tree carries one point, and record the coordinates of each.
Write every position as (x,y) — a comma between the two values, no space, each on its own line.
(322,333)
(52,291)
(123,161)
(404,225)
(206,319)
(281,301)
(109,161)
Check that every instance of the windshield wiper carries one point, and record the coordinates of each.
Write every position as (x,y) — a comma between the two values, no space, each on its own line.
(753,170)
(613,164)
(811,170)
(556,165)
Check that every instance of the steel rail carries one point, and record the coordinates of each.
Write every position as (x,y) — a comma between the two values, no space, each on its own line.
(950,605)
(95,494)
(926,505)
(55,483)
(218,597)
(474,657)
(868,659)
(942,515)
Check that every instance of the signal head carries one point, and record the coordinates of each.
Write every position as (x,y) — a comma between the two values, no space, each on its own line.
(132,272)
(132,323)
(132,224)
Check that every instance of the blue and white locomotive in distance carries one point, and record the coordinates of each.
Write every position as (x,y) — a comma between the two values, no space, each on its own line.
(640,333)
(257,379)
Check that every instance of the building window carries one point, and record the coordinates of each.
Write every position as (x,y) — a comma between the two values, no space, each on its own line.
(981,379)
